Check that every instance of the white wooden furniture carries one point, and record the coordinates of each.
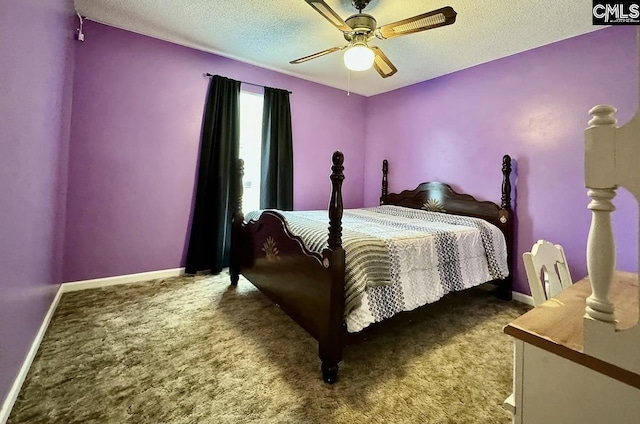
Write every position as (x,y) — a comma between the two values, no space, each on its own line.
(577,356)
(547,270)
(555,380)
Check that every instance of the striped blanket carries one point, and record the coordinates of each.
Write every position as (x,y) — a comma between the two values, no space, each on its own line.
(377,241)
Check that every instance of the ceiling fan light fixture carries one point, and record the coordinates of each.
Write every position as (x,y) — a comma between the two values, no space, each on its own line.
(359,57)
(359,29)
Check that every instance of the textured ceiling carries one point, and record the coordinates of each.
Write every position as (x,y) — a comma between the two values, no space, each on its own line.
(270,33)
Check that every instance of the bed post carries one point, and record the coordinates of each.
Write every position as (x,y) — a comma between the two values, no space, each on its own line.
(236,227)
(335,204)
(506,224)
(330,344)
(385,182)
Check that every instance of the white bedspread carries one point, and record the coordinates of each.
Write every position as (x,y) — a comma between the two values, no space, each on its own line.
(429,255)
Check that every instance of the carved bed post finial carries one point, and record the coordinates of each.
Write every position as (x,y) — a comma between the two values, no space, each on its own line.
(600,182)
(335,204)
(240,186)
(506,182)
(385,182)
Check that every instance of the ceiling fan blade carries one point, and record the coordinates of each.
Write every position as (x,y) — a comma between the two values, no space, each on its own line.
(315,55)
(323,8)
(382,63)
(429,20)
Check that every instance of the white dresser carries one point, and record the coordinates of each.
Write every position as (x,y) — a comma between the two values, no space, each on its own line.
(554,381)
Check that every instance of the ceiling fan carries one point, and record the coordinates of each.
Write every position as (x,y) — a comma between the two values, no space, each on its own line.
(360,28)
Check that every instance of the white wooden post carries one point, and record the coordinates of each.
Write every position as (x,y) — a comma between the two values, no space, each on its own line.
(611,160)
(601,255)
(600,180)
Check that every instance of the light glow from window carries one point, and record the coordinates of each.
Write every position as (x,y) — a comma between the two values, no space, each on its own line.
(250,147)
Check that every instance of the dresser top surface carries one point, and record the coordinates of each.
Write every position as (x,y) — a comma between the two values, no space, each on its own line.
(557,325)
(561,319)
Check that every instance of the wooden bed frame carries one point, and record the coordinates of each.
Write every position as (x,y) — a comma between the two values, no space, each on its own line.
(309,286)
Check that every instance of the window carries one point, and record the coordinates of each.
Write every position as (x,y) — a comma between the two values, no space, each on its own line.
(250,147)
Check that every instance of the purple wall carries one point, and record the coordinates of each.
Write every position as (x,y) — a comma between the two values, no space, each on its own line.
(118,197)
(35,94)
(137,115)
(533,106)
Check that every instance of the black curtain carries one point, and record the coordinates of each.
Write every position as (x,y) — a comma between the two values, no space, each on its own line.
(276,183)
(216,193)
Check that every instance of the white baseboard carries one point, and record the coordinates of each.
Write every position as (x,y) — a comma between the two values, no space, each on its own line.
(26,365)
(65,288)
(522,298)
(121,279)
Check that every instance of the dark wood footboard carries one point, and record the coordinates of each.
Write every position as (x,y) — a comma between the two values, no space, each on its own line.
(307,285)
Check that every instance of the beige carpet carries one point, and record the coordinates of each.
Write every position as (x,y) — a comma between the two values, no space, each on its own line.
(195,350)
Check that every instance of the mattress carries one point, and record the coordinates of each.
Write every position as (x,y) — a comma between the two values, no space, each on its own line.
(398,259)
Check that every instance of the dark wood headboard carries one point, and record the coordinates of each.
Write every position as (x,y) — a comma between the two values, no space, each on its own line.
(440,197)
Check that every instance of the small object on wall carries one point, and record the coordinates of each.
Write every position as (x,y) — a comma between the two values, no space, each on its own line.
(79,33)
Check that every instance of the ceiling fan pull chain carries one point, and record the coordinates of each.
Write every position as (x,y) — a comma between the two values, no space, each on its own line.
(348,82)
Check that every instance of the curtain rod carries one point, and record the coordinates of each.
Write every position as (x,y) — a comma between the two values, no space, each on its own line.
(250,83)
